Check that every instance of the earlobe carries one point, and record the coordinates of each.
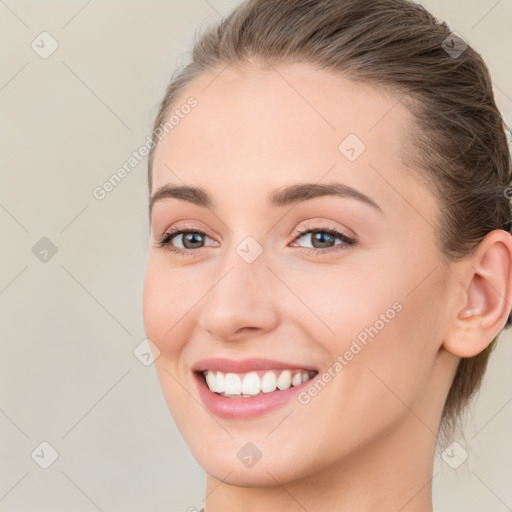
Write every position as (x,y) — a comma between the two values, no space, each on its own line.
(486,287)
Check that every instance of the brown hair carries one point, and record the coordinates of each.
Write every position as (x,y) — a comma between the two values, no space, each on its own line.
(459,141)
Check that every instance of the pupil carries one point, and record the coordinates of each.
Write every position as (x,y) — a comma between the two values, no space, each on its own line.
(191,237)
(320,236)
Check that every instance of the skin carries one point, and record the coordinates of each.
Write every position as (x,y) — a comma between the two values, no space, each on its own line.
(366,441)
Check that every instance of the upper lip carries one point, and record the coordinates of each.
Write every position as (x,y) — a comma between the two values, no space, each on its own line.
(246,365)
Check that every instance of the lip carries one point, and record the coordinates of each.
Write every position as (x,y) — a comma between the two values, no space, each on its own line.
(246,365)
(241,408)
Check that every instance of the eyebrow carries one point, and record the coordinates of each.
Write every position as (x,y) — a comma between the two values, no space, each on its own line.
(291,194)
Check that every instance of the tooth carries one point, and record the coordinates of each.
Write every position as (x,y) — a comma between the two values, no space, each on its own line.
(284,381)
(219,383)
(268,382)
(297,379)
(210,380)
(251,385)
(232,384)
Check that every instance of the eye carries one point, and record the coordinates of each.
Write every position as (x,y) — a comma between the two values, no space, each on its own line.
(189,240)
(323,239)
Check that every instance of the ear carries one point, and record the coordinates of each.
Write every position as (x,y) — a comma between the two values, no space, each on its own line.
(485,296)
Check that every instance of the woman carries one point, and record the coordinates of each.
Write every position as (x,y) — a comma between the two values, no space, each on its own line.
(330,261)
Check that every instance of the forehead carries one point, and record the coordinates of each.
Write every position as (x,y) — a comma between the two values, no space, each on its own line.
(255,128)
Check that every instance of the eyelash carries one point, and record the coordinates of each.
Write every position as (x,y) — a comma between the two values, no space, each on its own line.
(165,240)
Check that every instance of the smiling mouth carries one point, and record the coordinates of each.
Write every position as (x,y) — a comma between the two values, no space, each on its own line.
(254,383)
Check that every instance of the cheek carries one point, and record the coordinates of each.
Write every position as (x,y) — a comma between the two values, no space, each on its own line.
(153,309)
(165,305)
(388,359)
(379,336)
(376,381)
(349,302)
(166,324)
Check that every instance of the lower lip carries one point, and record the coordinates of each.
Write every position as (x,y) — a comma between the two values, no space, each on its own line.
(237,408)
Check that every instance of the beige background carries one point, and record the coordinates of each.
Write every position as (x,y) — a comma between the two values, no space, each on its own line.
(69,325)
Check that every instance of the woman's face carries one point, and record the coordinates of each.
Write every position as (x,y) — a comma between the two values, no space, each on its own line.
(277,152)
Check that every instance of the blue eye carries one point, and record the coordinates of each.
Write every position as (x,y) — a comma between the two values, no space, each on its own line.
(188,236)
(317,235)
(192,240)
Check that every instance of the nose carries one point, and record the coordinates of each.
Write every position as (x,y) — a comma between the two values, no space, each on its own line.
(241,303)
